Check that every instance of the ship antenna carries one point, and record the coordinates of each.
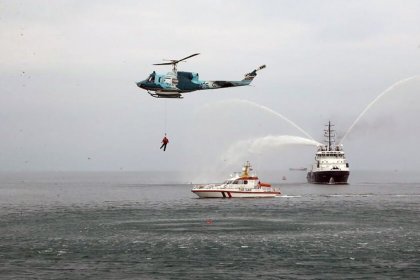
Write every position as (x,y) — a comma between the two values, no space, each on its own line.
(245,169)
(330,134)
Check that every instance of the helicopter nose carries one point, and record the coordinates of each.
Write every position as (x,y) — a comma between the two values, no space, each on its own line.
(140,84)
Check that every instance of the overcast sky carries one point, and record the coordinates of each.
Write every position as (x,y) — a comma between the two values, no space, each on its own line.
(68,99)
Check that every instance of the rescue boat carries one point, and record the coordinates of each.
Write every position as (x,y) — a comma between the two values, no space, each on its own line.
(240,185)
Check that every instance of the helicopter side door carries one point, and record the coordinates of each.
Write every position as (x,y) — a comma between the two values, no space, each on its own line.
(170,81)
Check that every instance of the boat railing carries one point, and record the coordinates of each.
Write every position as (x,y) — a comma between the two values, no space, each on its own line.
(270,189)
(241,188)
(209,186)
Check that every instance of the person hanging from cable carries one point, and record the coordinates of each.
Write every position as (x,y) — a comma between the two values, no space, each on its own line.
(165,142)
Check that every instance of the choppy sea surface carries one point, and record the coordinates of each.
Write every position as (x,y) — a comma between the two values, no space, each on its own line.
(129,226)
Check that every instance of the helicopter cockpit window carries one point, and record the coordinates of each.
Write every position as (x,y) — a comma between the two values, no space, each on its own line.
(151,78)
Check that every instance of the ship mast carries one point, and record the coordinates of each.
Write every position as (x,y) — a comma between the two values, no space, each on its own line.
(330,136)
(245,169)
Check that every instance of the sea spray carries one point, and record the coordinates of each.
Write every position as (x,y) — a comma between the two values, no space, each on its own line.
(236,152)
(271,111)
(392,87)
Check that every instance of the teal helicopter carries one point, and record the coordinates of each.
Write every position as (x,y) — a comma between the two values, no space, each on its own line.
(175,83)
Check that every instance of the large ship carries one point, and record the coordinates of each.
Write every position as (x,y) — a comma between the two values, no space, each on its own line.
(298,169)
(241,185)
(331,166)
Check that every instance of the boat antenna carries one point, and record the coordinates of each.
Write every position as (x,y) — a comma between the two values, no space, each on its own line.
(329,134)
(246,169)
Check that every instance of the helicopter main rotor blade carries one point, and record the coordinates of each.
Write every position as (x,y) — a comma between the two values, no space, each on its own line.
(187,57)
(165,63)
(174,61)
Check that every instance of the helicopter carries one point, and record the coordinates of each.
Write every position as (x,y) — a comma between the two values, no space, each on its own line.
(175,83)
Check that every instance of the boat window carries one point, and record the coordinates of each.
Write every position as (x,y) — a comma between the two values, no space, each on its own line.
(235,182)
(245,182)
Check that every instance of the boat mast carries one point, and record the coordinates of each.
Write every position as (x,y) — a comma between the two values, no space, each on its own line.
(246,169)
(330,134)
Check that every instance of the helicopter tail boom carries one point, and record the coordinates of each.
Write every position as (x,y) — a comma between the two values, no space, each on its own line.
(249,77)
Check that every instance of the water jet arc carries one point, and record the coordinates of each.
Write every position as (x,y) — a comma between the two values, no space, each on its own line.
(262,144)
(374,101)
(274,113)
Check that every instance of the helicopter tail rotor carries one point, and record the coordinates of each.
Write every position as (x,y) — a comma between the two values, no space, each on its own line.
(260,68)
(250,76)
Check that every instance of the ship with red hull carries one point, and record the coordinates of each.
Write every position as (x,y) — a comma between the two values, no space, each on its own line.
(241,185)
(331,166)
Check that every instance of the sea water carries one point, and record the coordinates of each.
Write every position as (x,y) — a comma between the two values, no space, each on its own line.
(132,226)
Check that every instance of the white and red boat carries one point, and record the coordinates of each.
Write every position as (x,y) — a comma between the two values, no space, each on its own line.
(244,185)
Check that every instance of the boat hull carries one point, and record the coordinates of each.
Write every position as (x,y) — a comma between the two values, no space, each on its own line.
(328,177)
(233,194)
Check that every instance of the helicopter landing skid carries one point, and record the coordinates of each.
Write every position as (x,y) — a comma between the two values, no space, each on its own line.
(156,95)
